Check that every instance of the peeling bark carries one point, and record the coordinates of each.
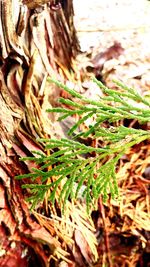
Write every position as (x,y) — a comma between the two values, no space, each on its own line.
(34,38)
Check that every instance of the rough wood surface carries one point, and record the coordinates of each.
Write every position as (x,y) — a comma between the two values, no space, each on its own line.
(35,40)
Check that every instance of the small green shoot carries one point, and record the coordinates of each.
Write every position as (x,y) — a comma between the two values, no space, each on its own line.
(78,167)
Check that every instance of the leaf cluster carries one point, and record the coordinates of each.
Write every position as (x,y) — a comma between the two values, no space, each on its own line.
(72,171)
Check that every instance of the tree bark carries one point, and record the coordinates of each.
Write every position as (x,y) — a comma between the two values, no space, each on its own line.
(36,39)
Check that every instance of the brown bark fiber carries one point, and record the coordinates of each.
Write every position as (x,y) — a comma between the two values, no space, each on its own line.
(35,40)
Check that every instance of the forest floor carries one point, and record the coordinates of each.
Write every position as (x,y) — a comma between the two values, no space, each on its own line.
(115,44)
(100,24)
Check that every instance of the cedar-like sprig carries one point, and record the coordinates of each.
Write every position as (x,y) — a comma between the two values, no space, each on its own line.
(73,164)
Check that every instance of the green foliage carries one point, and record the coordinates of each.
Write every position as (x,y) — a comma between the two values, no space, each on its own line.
(82,168)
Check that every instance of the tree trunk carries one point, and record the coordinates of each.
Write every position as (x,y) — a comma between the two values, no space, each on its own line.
(37,38)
